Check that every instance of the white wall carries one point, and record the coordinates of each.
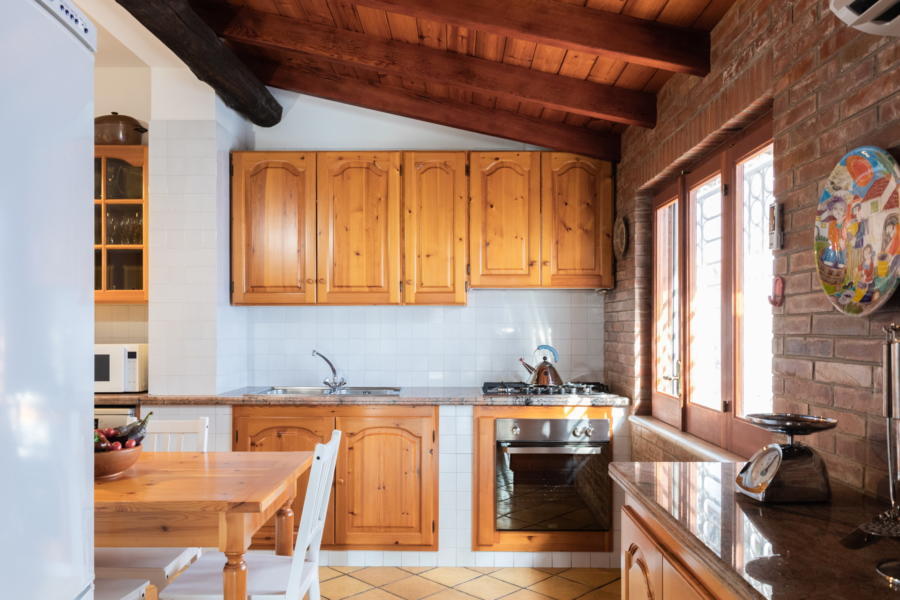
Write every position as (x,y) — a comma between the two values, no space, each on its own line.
(429,346)
(310,123)
(125,90)
(120,323)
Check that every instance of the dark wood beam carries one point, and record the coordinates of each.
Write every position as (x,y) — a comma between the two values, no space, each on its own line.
(176,24)
(569,26)
(443,111)
(437,66)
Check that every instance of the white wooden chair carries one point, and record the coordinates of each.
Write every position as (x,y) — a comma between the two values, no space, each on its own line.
(269,576)
(172,435)
(157,565)
(121,589)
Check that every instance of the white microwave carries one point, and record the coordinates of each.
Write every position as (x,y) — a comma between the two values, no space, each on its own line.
(120,368)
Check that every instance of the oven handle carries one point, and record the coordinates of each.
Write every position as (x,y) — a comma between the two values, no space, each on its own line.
(553,449)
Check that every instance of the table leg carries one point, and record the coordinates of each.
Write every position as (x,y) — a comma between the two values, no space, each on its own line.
(284,530)
(235,576)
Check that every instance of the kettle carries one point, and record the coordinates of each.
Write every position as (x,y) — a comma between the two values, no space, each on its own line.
(545,373)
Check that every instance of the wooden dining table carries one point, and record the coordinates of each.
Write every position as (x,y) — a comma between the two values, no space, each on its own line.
(213,499)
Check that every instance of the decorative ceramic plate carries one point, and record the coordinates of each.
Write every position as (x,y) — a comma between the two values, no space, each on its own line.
(857,241)
(620,237)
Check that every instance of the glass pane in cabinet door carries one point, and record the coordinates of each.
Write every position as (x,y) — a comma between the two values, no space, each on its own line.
(124,224)
(98,224)
(667,298)
(124,269)
(705,326)
(756,181)
(98,177)
(98,269)
(123,180)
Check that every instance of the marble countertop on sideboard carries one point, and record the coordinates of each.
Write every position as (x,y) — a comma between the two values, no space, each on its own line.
(771,551)
(253,396)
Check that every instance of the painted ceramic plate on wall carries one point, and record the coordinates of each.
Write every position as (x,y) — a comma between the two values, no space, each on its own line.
(857,241)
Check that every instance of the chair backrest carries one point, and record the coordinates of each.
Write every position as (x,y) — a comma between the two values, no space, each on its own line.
(305,564)
(170,435)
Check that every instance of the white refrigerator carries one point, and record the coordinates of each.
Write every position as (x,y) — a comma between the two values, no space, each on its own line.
(46,301)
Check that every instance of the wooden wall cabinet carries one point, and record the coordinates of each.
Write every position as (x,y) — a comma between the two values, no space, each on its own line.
(435,220)
(577,217)
(650,571)
(120,224)
(505,226)
(385,492)
(273,235)
(358,228)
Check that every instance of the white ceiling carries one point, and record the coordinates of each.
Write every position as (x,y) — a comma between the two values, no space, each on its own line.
(113,53)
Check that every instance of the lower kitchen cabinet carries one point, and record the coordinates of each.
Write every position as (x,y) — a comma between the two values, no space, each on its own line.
(261,433)
(651,572)
(385,494)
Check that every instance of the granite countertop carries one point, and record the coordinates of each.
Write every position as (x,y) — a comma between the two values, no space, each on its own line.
(777,552)
(410,396)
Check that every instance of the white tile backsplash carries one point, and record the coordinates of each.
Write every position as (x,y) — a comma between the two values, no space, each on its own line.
(120,323)
(428,346)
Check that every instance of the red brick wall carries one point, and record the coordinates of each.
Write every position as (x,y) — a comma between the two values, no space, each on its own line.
(830,89)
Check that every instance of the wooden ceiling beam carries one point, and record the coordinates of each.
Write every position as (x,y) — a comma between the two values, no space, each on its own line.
(516,83)
(571,27)
(450,113)
(176,24)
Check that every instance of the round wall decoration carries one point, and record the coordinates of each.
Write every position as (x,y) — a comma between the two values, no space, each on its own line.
(857,238)
(620,237)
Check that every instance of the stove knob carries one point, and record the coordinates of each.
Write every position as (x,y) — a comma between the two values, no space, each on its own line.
(588,431)
(578,431)
(516,430)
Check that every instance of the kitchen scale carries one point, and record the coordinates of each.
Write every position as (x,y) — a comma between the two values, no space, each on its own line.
(791,472)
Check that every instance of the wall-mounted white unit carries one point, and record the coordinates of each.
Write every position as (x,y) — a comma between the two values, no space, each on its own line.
(878,17)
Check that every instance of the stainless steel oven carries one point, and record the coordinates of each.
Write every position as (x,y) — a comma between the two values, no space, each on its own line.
(553,475)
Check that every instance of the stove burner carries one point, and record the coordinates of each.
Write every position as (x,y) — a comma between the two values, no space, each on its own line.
(516,388)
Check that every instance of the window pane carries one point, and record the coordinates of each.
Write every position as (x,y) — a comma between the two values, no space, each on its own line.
(667,297)
(124,180)
(124,224)
(755,176)
(124,269)
(706,295)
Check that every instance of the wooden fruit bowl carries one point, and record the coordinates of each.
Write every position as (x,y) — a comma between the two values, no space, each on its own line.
(109,465)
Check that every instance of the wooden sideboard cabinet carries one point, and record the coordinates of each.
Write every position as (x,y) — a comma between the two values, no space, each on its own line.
(649,570)
(385,489)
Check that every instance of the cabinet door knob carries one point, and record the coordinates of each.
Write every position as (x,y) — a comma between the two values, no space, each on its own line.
(339,481)
(546,263)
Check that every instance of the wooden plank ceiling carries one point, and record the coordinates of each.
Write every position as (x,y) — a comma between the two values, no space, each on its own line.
(456,62)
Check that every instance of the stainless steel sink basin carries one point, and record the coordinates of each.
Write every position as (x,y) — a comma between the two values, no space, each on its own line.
(324,391)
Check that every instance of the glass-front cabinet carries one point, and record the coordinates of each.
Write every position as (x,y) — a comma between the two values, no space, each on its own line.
(120,224)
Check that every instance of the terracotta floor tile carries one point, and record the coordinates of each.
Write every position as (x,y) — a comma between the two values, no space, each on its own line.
(522,577)
(552,570)
(326,573)
(414,587)
(484,570)
(450,576)
(343,586)
(451,594)
(417,570)
(592,578)
(487,588)
(560,588)
(376,594)
(526,595)
(346,569)
(379,576)
(615,585)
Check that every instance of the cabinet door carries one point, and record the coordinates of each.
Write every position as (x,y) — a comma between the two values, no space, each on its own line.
(678,586)
(505,226)
(641,562)
(279,434)
(385,482)
(434,227)
(273,237)
(577,207)
(359,227)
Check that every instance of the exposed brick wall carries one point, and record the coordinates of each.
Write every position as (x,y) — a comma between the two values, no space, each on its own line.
(831,89)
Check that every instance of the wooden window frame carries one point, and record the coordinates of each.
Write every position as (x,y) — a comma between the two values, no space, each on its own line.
(723,428)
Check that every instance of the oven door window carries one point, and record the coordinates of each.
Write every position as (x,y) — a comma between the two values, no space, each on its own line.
(101,367)
(553,487)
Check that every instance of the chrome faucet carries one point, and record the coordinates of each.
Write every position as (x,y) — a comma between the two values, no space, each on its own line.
(334,383)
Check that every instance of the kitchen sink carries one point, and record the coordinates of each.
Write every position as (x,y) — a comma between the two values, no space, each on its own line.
(324,391)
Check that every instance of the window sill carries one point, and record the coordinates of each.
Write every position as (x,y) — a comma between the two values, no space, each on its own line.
(669,441)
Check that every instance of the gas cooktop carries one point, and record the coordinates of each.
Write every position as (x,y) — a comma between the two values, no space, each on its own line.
(517,388)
